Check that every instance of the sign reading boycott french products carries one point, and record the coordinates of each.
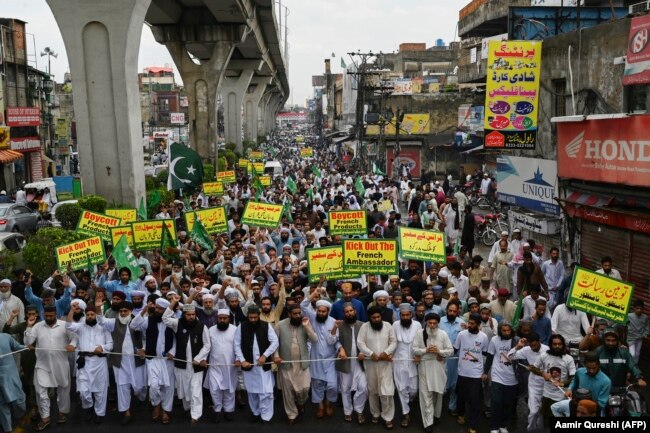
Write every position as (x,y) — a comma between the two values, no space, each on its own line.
(348,222)
(97,224)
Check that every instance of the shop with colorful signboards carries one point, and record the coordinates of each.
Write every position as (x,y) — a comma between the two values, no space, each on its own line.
(24,143)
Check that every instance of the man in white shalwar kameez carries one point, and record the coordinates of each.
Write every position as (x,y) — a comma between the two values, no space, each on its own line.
(159,340)
(52,367)
(255,343)
(221,378)
(92,368)
(191,353)
(129,372)
(377,343)
(351,377)
(405,371)
(432,347)
(324,391)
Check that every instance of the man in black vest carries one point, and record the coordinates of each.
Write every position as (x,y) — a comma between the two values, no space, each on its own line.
(159,340)
(255,342)
(191,352)
(128,368)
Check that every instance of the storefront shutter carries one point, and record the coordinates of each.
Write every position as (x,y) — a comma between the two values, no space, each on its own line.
(597,241)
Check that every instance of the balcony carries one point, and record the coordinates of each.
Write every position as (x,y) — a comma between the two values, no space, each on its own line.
(482,18)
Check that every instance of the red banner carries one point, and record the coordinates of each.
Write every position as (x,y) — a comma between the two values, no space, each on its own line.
(637,61)
(23,116)
(605,150)
(409,155)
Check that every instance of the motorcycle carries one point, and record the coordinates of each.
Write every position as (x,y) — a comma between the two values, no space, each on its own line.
(496,220)
(485,233)
(623,401)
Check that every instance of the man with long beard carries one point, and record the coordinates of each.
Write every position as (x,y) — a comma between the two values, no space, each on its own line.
(324,391)
(191,353)
(221,378)
(405,371)
(128,369)
(294,333)
(431,348)
(351,376)
(255,341)
(159,341)
(377,343)
(472,345)
(92,368)
(502,375)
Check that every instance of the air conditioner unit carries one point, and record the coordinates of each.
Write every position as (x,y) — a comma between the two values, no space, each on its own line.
(639,7)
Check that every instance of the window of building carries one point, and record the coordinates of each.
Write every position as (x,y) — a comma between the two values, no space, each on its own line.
(637,98)
(559,90)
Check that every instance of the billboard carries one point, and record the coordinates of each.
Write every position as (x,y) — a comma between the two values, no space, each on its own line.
(605,150)
(402,86)
(23,116)
(528,182)
(177,118)
(486,41)
(512,94)
(413,123)
(637,61)
(470,117)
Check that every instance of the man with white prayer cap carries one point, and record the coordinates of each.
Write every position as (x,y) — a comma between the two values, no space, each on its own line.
(207,314)
(158,341)
(405,371)
(221,378)
(138,298)
(149,285)
(9,303)
(191,353)
(324,390)
(380,298)
(81,304)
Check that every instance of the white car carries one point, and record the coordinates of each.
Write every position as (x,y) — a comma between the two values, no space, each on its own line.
(55,222)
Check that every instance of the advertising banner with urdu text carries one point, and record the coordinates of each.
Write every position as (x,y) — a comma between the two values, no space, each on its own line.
(512,94)
(637,61)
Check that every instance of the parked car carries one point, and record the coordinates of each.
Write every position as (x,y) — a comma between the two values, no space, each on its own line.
(18,218)
(56,222)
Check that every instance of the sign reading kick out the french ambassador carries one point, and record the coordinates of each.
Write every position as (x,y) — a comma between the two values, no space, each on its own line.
(370,256)
(528,182)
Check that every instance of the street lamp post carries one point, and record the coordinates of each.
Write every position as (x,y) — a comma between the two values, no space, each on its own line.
(48,87)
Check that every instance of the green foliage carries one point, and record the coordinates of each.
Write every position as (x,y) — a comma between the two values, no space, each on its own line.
(38,254)
(222,164)
(68,215)
(261,139)
(208,172)
(249,144)
(162,177)
(231,157)
(93,203)
(151,183)
(8,262)
(231,146)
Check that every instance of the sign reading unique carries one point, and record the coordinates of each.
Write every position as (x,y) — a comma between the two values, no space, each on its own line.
(78,254)
(147,235)
(600,295)
(528,182)
(213,188)
(214,219)
(348,222)
(119,231)
(226,176)
(512,94)
(126,215)
(97,224)
(326,261)
(370,256)
(262,214)
(420,244)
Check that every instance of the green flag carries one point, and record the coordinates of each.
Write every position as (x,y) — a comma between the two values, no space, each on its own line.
(291,185)
(310,194)
(519,310)
(287,211)
(377,170)
(359,187)
(316,171)
(124,257)
(200,235)
(154,200)
(90,266)
(185,168)
(168,247)
(258,187)
(142,210)
(343,63)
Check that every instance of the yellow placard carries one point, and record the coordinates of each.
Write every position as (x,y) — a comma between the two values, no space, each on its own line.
(326,261)
(413,123)
(148,234)
(348,222)
(62,127)
(118,232)
(213,188)
(262,214)
(126,215)
(243,163)
(255,155)
(385,206)
(377,256)
(265,180)
(512,94)
(97,224)
(420,244)
(226,176)
(214,219)
(307,152)
(78,254)
(600,295)
(258,167)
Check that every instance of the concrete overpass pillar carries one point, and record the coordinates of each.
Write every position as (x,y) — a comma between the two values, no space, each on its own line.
(251,105)
(232,92)
(262,120)
(272,109)
(102,39)
(202,81)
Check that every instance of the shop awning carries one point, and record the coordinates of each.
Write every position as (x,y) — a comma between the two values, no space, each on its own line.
(476,149)
(8,155)
(341,139)
(587,199)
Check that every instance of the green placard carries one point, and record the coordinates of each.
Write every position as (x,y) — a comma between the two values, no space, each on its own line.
(418,244)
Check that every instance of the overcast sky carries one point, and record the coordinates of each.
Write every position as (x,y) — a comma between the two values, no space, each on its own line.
(316,30)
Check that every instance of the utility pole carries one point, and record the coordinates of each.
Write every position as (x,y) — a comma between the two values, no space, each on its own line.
(398,124)
(362,65)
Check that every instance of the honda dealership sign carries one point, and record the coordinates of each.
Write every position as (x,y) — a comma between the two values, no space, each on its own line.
(605,150)
(528,182)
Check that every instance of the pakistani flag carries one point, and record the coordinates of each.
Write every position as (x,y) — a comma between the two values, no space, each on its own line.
(291,185)
(124,257)
(154,200)
(142,210)
(377,170)
(359,187)
(286,211)
(316,171)
(200,235)
(168,247)
(185,168)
